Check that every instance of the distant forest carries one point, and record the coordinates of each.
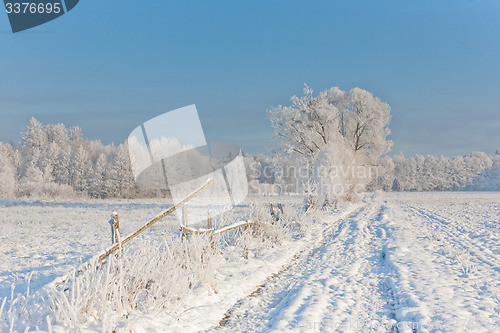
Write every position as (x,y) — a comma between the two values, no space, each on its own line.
(53,161)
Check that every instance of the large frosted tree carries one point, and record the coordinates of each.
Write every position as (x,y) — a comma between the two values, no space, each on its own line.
(336,132)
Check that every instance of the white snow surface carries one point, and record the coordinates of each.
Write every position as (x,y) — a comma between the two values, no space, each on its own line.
(397,262)
(405,262)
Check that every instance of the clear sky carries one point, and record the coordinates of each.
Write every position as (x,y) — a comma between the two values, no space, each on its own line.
(109,65)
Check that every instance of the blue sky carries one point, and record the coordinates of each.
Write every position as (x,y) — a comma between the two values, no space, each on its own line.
(108,66)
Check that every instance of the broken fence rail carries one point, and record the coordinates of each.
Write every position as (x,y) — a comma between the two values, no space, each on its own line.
(161,216)
(211,231)
(118,245)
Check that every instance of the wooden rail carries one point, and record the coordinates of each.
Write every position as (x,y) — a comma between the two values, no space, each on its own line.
(116,234)
(161,216)
(211,231)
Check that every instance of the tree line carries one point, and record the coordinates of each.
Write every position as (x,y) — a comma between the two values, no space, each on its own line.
(342,138)
(54,161)
(334,138)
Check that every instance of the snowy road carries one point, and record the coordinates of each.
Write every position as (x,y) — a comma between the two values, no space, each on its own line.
(402,263)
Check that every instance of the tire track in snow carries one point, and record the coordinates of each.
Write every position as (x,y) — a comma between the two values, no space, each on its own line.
(448,227)
(283,297)
(482,280)
(336,286)
(431,279)
(408,312)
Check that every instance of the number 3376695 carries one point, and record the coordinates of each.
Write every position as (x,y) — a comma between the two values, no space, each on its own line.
(32,8)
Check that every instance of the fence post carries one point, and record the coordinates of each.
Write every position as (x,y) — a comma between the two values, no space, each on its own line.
(210,226)
(115,226)
(185,214)
(185,218)
(274,214)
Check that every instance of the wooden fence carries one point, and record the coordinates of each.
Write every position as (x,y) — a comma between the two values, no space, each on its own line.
(117,242)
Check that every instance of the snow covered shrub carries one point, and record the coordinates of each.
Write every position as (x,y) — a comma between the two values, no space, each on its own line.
(343,173)
(53,191)
(263,232)
(461,257)
(149,277)
(316,201)
(23,312)
(313,200)
(31,184)
(464,261)
(34,185)
(7,181)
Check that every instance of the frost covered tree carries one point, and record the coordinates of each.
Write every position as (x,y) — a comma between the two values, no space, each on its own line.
(53,161)
(368,123)
(62,169)
(58,134)
(305,127)
(8,177)
(339,132)
(80,170)
(76,138)
(48,162)
(432,173)
(34,137)
(32,183)
(383,175)
(97,182)
(119,178)
(33,146)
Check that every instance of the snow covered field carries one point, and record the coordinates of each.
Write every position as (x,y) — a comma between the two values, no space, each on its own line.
(405,262)
(401,262)
(47,239)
